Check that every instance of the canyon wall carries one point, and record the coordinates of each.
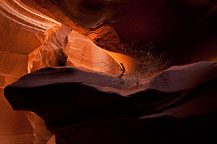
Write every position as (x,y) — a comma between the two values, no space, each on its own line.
(25,37)
(30,40)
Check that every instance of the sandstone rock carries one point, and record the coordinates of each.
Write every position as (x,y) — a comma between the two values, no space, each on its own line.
(49,9)
(103,36)
(84,54)
(14,127)
(50,53)
(185,31)
(90,13)
(28,41)
(177,105)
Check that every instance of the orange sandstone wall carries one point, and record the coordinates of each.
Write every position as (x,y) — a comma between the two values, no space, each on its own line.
(30,40)
(27,43)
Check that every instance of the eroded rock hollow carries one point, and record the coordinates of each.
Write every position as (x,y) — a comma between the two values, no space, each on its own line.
(114,76)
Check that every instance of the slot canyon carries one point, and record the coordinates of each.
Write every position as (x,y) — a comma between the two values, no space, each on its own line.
(108,71)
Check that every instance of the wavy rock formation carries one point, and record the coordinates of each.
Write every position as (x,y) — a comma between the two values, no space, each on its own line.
(178,105)
(25,40)
(184,30)
(29,41)
(102,35)
(84,54)
(131,39)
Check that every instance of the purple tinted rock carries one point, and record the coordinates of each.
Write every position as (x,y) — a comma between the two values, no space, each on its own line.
(178,106)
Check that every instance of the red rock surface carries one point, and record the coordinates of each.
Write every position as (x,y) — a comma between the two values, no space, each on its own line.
(34,34)
(184,30)
(102,35)
(84,54)
(25,39)
(29,41)
(178,105)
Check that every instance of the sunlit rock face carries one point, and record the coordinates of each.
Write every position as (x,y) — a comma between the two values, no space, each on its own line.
(182,31)
(28,41)
(102,34)
(22,31)
(50,53)
(84,54)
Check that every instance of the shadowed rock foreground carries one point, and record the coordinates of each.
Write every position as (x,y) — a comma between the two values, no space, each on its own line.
(179,105)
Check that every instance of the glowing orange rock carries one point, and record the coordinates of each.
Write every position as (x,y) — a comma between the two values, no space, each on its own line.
(22,33)
(29,41)
(84,54)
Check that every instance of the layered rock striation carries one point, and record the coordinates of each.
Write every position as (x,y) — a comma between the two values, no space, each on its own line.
(145,36)
(25,41)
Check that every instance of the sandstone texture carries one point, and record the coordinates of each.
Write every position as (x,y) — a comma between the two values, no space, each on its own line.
(116,65)
(177,105)
(25,45)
